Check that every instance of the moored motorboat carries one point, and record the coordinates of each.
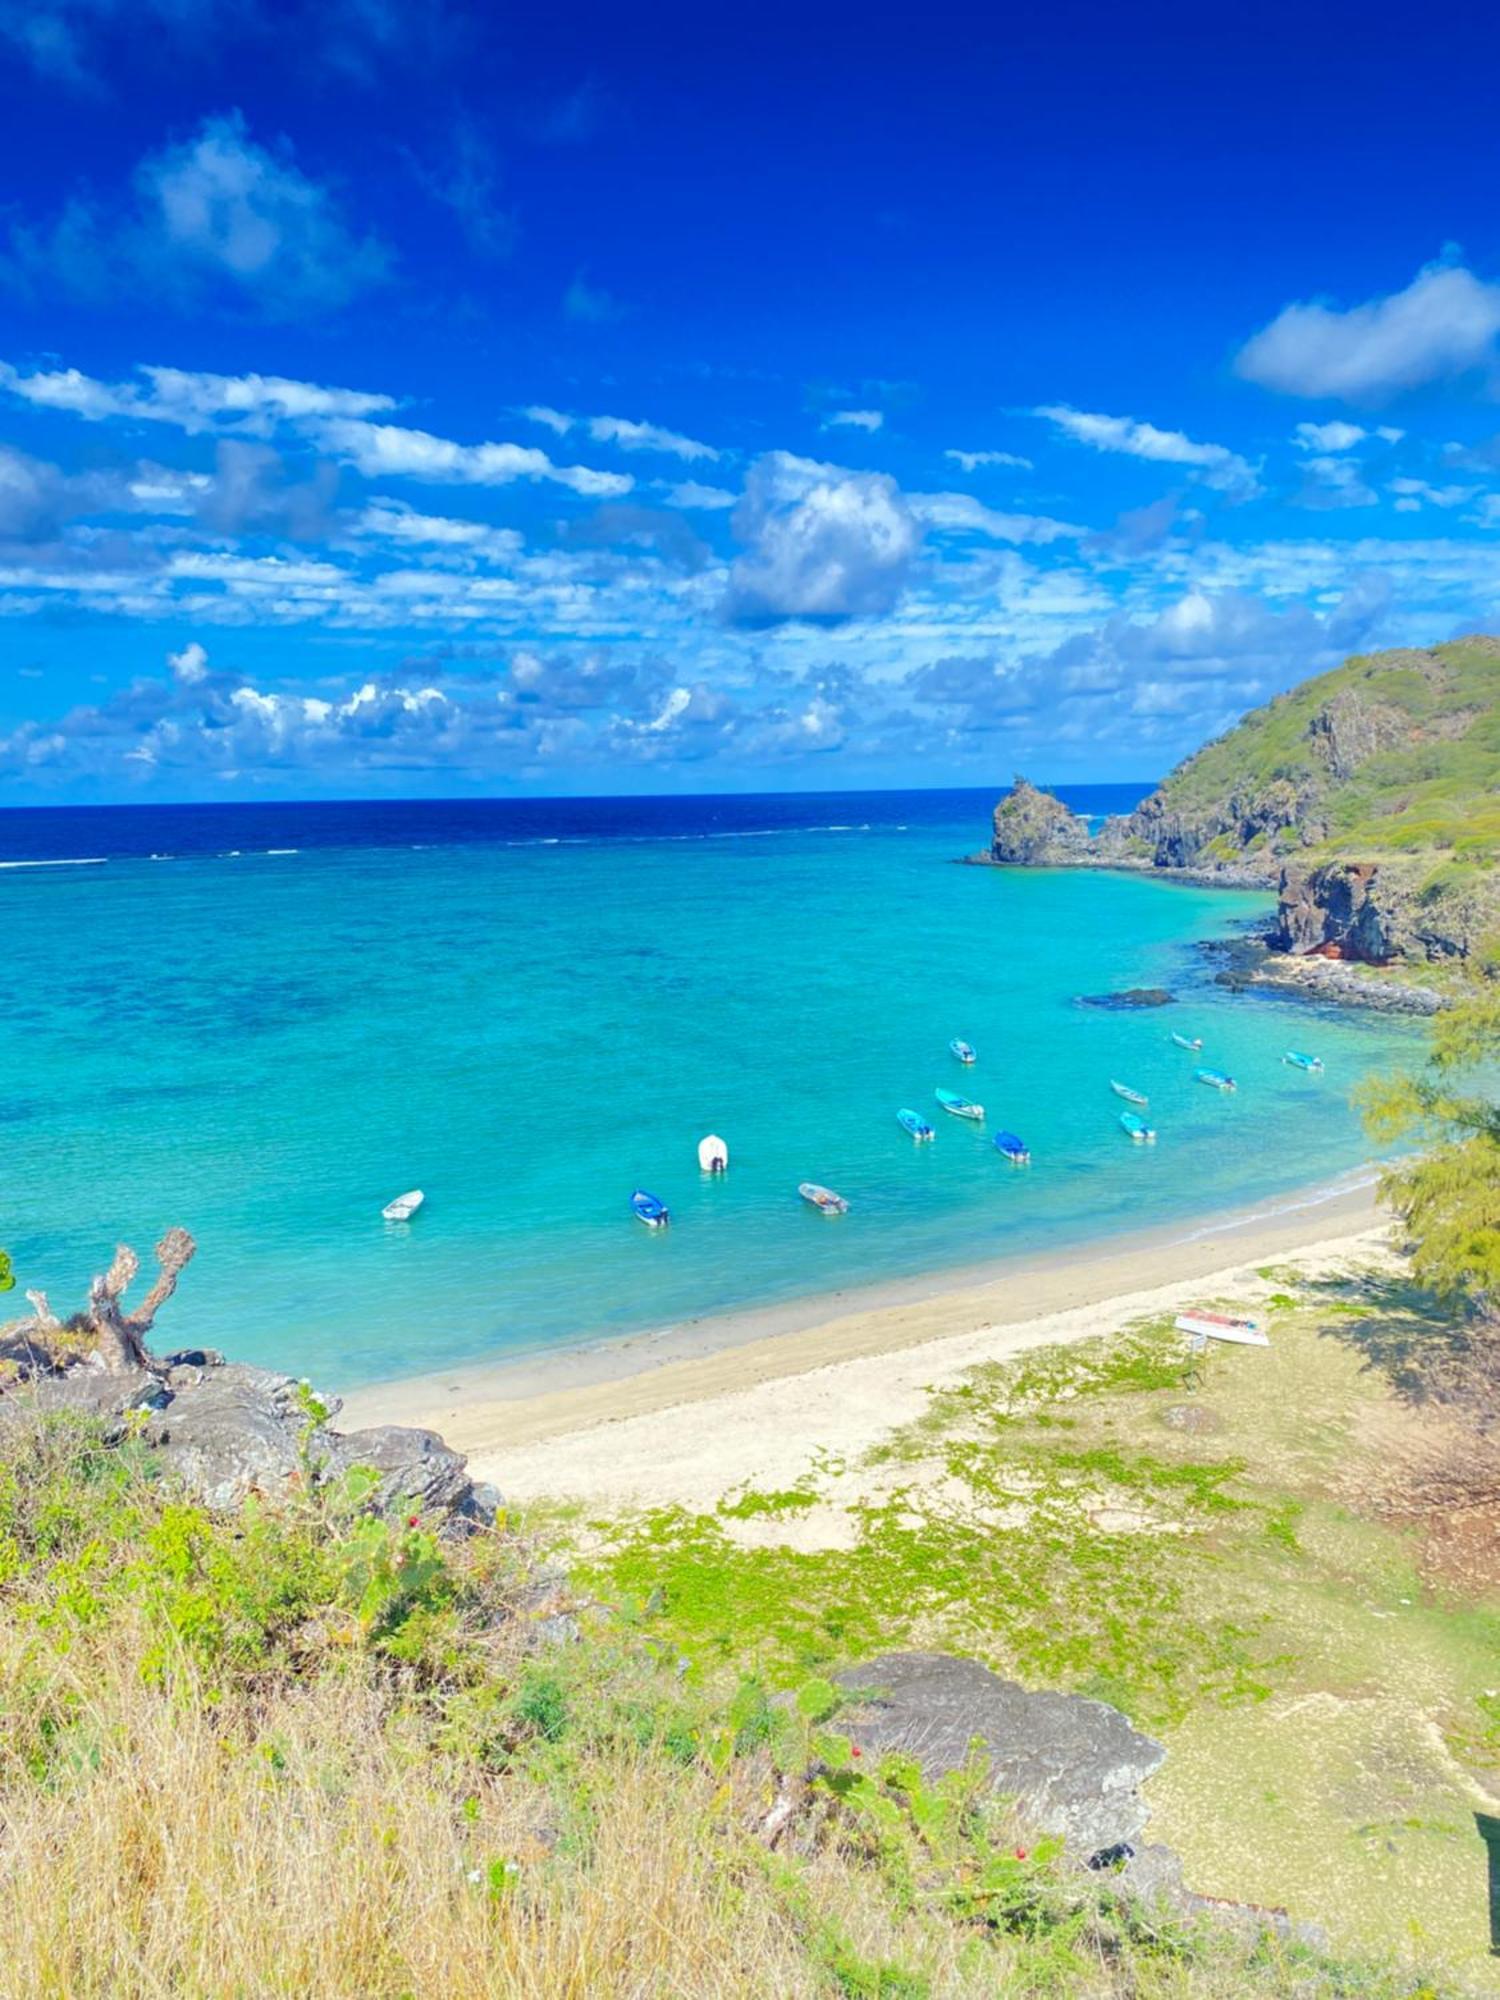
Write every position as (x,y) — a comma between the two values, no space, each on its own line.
(1215,1079)
(823,1199)
(404,1207)
(1138,1129)
(1130,1095)
(912,1122)
(1312,1064)
(959,1107)
(965,1051)
(651,1209)
(713,1155)
(1222,1326)
(1013,1149)
(1193,1043)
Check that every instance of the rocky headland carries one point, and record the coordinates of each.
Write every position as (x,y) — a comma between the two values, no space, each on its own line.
(1367,800)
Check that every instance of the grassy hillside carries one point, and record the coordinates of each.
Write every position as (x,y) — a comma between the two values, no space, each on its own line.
(307,1753)
(1393,753)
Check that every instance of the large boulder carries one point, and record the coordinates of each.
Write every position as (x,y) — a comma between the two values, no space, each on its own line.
(1034,829)
(1074,1767)
(224,1431)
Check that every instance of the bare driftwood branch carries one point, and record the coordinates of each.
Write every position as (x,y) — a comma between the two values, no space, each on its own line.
(120,1337)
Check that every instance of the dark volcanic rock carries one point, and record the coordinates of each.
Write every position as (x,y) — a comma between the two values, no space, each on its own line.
(1074,1767)
(1033,829)
(1132,996)
(225,1431)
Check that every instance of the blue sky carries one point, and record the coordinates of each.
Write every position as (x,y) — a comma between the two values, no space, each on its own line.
(401,400)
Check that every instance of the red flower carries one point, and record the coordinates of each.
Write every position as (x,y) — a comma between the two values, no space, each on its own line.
(855,1751)
(1020,1854)
(412,1520)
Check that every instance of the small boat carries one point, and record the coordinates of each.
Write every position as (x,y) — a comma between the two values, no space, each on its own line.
(963,1050)
(1130,1096)
(651,1209)
(1222,1326)
(404,1207)
(823,1199)
(1194,1043)
(1013,1149)
(1138,1129)
(911,1122)
(1215,1079)
(959,1107)
(1312,1064)
(713,1155)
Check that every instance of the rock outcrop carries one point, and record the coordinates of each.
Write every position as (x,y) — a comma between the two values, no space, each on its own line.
(1033,829)
(221,1429)
(1073,1768)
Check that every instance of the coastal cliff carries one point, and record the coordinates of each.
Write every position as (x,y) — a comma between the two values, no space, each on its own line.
(1368,798)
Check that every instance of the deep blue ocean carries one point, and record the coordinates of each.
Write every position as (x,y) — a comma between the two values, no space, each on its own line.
(263,1021)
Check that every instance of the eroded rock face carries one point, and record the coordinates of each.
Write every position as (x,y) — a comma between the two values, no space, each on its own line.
(1075,1767)
(1032,828)
(225,1431)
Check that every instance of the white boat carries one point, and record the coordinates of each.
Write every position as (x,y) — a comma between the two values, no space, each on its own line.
(713,1155)
(959,1107)
(1138,1129)
(1222,1326)
(1193,1042)
(1130,1095)
(404,1207)
(964,1051)
(823,1199)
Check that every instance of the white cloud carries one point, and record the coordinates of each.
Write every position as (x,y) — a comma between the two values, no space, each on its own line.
(820,542)
(1331,482)
(972,461)
(691,493)
(191,400)
(394,451)
(1335,436)
(191,664)
(1444,324)
(1216,464)
(1411,493)
(216,216)
(629,434)
(854,420)
(960,513)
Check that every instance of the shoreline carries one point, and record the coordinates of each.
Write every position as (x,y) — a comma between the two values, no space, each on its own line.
(504,1413)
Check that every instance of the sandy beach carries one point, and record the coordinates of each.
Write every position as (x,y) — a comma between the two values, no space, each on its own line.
(694,1412)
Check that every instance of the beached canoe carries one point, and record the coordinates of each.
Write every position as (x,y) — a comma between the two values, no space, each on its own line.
(1138,1129)
(1013,1149)
(965,1051)
(823,1199)
(959,1107)
(911,1122)
(1222,1326)
(651,1209)
(1130,1096)
(1215,1079)
(713,1155)
(404,1207)
(1193,1043)
(1312,1064)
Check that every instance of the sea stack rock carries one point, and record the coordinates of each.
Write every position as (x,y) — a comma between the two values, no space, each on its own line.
(1034,829)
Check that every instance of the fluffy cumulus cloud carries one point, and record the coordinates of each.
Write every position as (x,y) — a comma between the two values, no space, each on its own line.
(217,216)
(819,542)
(1215,464)
(1444,324)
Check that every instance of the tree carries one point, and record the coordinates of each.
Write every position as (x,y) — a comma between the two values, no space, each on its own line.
(1449,1195)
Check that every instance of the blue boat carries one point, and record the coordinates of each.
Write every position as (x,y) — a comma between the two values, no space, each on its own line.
(651,1209)
(1312,1064)
(1138,1129)
(963,1050)
(959,1107)
(1014,1149)
(1215,1079)
(918,1127)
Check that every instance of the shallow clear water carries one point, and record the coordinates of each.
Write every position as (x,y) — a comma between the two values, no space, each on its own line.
(530,1010)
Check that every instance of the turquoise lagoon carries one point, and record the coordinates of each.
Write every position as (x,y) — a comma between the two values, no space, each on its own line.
(529,1014)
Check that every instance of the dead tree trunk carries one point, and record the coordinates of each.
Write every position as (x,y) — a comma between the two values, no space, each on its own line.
(120,1337)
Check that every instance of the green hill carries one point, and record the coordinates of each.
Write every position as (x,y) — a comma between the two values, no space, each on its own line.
(1392,754)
